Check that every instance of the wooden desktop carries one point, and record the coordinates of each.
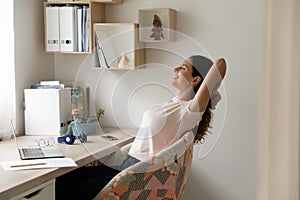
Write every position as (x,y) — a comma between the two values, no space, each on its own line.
(15,183)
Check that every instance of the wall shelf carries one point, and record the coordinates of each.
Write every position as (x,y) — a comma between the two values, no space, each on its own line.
(117,46)
(157,25)
(99,1)
(54,30)
(104,1)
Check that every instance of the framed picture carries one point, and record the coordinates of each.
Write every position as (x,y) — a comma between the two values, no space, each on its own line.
(157,25)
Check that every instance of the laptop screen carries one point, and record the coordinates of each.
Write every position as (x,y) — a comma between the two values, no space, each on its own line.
(14,132)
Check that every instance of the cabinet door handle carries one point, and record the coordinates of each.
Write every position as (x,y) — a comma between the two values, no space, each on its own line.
(33,194)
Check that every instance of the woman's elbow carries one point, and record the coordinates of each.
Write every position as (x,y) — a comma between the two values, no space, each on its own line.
(221,64)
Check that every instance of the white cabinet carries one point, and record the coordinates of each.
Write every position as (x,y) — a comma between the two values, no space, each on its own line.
(47,111)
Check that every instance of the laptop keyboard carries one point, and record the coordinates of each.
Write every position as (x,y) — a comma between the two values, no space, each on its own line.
(32,152)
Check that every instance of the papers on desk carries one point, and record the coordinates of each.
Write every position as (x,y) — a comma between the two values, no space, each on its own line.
(38,164)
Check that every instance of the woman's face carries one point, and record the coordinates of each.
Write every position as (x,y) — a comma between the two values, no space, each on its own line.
(183,76)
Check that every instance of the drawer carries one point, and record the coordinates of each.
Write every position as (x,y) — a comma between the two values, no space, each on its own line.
(44,191)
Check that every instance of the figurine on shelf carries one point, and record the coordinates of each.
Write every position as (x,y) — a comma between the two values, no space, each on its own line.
(123,61)
(157,30)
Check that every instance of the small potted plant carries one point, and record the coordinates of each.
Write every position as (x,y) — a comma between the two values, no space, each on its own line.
(100,114)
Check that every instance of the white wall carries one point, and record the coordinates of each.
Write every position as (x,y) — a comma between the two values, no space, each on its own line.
(32,63)
(231,29)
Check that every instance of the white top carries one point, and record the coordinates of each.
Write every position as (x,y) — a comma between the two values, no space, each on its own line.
(162,125)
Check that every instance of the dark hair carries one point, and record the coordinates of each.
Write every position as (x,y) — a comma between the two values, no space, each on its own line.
(201,66)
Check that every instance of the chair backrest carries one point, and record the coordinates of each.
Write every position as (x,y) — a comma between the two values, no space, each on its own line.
(164,177)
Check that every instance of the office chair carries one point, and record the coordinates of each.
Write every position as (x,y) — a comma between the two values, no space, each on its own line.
(163,177)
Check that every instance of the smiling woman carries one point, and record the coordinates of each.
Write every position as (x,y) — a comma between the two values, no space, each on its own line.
(7,85)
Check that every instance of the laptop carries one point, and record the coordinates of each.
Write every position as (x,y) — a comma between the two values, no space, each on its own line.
(27,153)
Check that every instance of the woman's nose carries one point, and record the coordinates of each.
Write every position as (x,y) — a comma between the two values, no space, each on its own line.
(176,69)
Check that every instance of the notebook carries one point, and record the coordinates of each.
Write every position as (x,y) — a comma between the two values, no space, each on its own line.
(27,153)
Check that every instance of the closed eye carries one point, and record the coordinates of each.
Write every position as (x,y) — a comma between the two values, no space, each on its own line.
(184,66)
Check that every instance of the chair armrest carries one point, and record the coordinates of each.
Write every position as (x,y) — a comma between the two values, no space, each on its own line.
(126,148)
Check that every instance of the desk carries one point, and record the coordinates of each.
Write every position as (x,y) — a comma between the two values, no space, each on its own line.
(13,183)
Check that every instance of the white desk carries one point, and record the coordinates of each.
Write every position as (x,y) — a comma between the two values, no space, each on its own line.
(13,183)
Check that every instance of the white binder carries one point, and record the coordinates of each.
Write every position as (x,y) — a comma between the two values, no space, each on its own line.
(87,30)
(52,29)
(79,29)
(67,29)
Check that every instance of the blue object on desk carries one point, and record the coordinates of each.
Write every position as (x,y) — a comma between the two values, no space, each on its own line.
(89,127)
(68,139)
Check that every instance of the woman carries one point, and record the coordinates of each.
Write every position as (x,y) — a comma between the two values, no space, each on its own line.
(196,81)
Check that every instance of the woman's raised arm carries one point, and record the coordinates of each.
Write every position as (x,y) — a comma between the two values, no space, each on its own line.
(211,83)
